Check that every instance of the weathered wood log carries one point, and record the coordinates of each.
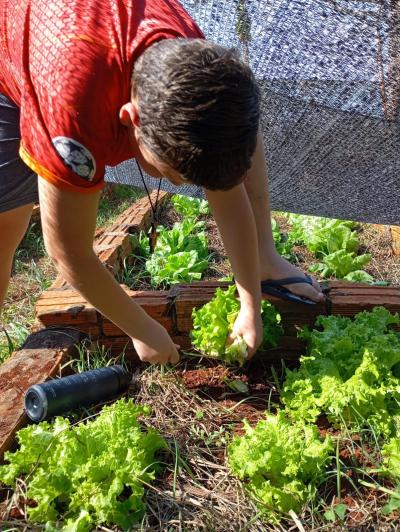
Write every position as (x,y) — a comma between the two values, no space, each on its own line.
(38,360)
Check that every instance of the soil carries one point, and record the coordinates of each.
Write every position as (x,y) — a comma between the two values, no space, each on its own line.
(218,383)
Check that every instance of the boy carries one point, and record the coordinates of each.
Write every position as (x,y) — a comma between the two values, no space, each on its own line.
(85,84)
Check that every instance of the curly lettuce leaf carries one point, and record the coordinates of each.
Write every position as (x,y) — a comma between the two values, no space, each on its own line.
(282,462)
(90,473)
(213,322)
(189,207)
(348,372)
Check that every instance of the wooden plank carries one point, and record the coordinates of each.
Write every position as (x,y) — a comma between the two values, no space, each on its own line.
(39,360)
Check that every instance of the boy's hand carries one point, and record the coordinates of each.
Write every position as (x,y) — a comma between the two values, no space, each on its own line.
(155,345)
(248,325)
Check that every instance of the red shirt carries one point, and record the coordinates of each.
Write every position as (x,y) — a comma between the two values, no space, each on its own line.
(68,65)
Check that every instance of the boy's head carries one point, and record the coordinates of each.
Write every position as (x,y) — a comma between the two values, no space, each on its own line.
(197,108)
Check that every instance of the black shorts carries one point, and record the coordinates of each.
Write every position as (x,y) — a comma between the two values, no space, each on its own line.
(18,184)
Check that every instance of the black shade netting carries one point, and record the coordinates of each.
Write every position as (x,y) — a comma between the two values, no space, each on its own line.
(329,72)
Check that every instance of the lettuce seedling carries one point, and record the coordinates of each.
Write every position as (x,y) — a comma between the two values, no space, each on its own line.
(189,207)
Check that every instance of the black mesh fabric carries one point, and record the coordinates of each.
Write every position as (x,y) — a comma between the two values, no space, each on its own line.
(329,72)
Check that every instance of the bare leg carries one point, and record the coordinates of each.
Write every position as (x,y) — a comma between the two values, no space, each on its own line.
(13,225)
(272,265)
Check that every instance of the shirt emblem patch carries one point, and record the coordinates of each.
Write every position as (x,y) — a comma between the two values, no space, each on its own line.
(76,157)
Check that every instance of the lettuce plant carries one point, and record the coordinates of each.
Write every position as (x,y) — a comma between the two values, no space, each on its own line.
(323,236)
(87,474)
(213,322)
(282,462)
(189,207)
(335,243)
(183,266)
(343,265)
(348,372)
(180,254)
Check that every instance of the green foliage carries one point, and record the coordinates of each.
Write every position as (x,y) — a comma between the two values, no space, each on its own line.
(188,235)
(360,276)
(282,462)
(87,474)
(140,244)
(283,245)
(189,207)
(335,243)
(393,504)
(15,334)
(213,322)
(180,254)
(343,265)
(391,458)
(348,372)
(323,236)
(337,511)
(180,267)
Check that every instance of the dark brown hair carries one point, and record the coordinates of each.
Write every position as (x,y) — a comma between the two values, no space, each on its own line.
(198,109)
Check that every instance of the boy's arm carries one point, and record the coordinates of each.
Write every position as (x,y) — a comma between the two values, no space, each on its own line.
(69,222)
(234,217)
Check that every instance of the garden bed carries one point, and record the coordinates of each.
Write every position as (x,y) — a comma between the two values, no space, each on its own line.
(199,404)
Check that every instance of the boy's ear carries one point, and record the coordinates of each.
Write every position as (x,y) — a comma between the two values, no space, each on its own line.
(129,115)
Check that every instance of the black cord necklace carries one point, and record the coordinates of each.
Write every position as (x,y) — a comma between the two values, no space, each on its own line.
(154,208)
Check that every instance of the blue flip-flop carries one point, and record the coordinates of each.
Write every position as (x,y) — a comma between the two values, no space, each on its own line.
(276,288)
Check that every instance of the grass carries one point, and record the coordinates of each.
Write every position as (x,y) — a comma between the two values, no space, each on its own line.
(114,200)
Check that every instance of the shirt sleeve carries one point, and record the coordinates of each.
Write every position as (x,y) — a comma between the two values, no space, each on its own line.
(66,128)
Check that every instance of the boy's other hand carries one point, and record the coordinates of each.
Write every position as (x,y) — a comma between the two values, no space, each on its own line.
(155,344)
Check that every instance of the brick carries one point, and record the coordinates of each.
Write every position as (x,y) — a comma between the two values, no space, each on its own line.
(36,362)
(65,307)
(349,299)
